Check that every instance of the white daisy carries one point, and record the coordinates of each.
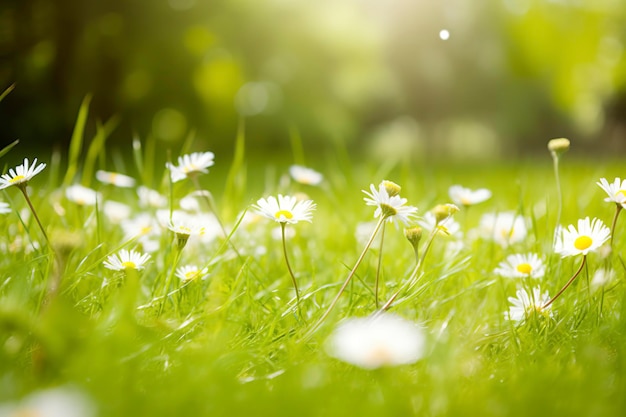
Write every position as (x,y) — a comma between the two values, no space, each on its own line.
(285,209)
(150,198)
(80,195)
(391,207)
(602,277)
(504,228)
(589,236)
(114,178)
(376,341)
(190,165)
(142,225)
(525,305)
(305,175)
(191,202)
(21,174)
(521,266)
(115,211)
(616,190)
(126,259)
(363,233)
(4,207)
(468,197)
(191,273)
(54,402)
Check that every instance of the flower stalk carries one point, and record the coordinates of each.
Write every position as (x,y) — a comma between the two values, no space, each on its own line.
(582,264)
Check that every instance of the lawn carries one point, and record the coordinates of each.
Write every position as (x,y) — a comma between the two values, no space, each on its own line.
(86,332)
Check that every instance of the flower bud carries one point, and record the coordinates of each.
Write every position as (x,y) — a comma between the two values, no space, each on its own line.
(558,146)
(443,211)
(413,235)
(392,188)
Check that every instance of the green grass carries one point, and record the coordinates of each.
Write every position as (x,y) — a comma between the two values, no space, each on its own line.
(232,344)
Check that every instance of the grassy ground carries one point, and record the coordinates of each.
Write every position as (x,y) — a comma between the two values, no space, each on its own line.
(233,344)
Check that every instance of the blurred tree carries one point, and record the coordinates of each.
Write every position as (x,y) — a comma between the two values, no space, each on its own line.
(497,73)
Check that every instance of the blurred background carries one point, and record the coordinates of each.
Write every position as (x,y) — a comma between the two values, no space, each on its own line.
(445,78)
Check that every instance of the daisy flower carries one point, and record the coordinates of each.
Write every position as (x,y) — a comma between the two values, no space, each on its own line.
(55,402)
(191,201)
(20,175)
(150,198)
(191,273)
(521,266)
(616,190)
(391,207)
(588,237)
(190,165)
(504,228)
(468,197)
(80,195)
(602,277)
(285,209)
(376,341)
(126,259)
(114,178)
(524,305)
(4,207)
(115,211)
(305,175)
(141,225)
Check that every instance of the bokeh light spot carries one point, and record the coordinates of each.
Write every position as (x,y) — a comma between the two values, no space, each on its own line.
(169,125)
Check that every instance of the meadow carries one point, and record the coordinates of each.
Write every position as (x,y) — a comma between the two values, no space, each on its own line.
(205,318)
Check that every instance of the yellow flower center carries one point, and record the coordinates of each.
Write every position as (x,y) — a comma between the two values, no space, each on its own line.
(620,194)
(380,355)
(191,275)
(466,201)
(17,178)
(388,210)
(129,265)
(283,213)
(26,412)
(190,168)
(145,230)
(507,234)
(583,242)
(524,268)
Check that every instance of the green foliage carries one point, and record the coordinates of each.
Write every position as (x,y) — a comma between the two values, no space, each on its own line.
(233,344)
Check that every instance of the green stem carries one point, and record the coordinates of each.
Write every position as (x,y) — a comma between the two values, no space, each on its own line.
(32,209)
(582,264)
(380,262)
(293,277)
(412,278)
(555,160)
(211,205)
(617,212)
(348,279)
(168,280)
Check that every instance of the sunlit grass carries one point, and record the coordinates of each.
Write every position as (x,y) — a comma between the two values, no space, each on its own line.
(238,342)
